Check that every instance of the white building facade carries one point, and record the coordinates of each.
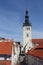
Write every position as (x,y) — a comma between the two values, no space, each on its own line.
(15,53)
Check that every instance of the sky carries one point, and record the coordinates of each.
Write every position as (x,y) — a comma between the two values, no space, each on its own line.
(12,17)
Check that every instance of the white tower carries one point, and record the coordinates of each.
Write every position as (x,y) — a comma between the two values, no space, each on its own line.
(27,34)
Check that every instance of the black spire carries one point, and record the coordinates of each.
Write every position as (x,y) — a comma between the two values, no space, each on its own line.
(27,23)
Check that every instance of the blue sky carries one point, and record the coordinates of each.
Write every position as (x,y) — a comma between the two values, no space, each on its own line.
(12,16)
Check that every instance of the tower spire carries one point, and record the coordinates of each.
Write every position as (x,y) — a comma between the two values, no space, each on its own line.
(27,22)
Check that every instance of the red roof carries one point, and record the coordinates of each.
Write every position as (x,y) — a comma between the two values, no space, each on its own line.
(37,40)
(6,47)
(40,46)
(37,51)
(5,62)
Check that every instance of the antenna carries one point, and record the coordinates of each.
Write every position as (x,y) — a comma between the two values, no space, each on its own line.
(26,4)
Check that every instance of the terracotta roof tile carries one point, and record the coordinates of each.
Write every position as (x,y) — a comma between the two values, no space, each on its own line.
(37,40)
(37,51)
(5,62)
(6,47)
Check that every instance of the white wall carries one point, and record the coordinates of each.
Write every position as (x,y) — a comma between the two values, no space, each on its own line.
(16,55)
(27,40)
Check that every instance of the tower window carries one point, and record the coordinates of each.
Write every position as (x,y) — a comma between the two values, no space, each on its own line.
(27,35)
(28,28)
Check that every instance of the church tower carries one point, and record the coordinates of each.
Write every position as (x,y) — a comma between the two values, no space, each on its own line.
(27,33)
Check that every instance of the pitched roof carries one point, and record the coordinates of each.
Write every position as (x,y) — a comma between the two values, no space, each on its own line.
(37,41)
(6,47)
(5,62)
(37,51)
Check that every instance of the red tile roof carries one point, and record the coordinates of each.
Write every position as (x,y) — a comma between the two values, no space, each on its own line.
(5,62)
(37,40)
(40,46)
(6,47)
(37,51)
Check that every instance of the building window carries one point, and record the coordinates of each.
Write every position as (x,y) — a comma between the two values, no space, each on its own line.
(28,28)
(27,35)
